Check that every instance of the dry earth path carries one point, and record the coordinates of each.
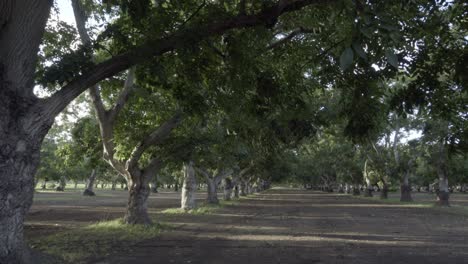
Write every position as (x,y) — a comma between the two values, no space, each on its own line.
(297,226)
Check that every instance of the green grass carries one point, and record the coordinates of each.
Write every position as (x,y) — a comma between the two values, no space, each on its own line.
(397,201)
(203,209)
(99,239)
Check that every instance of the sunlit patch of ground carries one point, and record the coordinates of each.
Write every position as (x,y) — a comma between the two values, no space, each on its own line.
(278,226)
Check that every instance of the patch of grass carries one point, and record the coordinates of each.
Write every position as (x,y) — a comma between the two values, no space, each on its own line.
(99,239)
(202,209)
(397,201)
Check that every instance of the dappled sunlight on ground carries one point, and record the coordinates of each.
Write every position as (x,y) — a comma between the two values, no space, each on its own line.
(278,226)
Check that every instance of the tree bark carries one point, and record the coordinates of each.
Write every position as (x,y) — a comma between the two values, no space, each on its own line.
(154,186)
(189,187)
(227,189)
(235,192)
(243,187)
(89,190)
(384,191)
(356,190)
(212,187)
(137,208)
(23,124)
(405,189)
(443,192)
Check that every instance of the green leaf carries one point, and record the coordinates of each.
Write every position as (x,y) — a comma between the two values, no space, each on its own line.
(392,58)
(359,50)
(346,58)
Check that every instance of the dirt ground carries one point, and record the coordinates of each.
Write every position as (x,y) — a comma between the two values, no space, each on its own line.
(277,226)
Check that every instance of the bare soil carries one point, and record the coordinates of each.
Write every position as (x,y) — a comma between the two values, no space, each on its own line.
(277,226)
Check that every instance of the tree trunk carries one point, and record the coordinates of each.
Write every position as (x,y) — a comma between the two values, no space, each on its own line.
(384,192)
(62,184)
(114,184)
(212,191)
(154,186)
(243,188)
(405,189)
(176,187)
(16,193)
(347,188)
(356,190)
(443,193)
(44,185)
(227,189)
(137,209)
(189,188)
(235,193)
(90,184)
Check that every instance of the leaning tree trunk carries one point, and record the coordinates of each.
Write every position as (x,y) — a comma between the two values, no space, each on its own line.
(189,188)
(212,191)
(137,208)
(227,189)
(89,191)
(405,189)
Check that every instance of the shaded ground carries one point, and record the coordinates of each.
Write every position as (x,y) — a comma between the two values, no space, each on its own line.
(279,226)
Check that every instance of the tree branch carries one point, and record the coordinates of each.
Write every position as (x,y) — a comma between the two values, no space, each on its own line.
(156,137)
(222,174)
(203,172)
(151,48)
(288,37)
(124,95)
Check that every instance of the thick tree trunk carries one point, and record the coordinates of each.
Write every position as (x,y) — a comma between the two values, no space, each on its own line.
(23,121)
(189,188)
(227,189)
(212,191)
(137,209)
(405,189)
(89,191)
(16,193)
